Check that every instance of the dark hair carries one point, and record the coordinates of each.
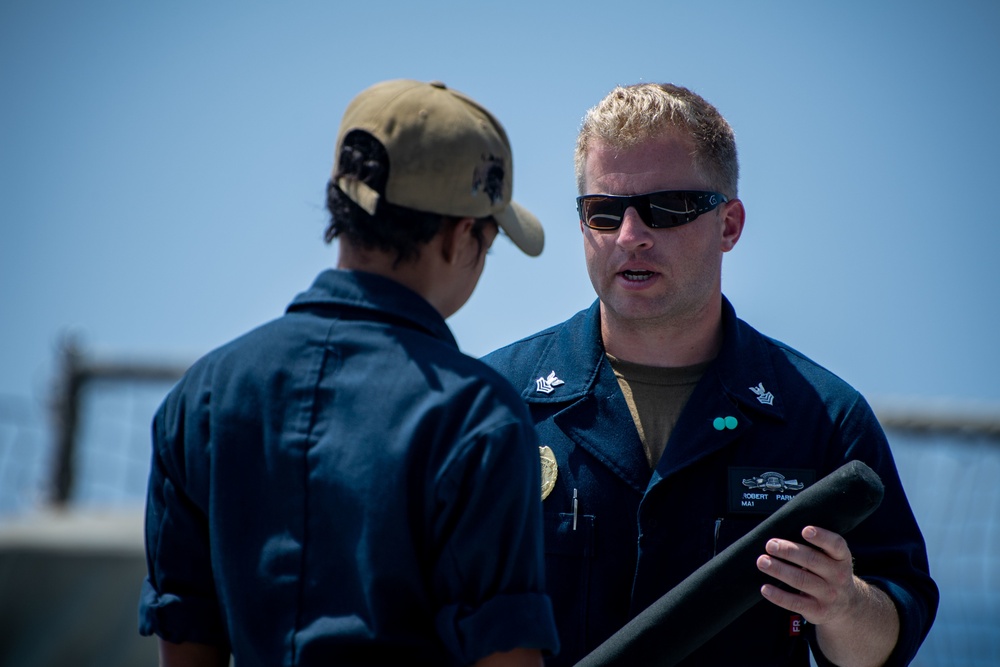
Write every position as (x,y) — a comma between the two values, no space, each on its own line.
(392,228)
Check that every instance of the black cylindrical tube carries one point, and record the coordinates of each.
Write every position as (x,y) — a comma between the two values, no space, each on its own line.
(715,594)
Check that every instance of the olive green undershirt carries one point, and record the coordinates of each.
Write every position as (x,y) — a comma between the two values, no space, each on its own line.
(655,397)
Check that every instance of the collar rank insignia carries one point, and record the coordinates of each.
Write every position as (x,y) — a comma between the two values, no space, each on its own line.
(549,470)
(763,395)
(548,384)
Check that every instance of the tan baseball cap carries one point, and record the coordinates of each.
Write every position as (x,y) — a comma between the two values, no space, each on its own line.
(447,155)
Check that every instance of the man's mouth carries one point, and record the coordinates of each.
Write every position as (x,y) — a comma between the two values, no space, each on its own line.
(637,276)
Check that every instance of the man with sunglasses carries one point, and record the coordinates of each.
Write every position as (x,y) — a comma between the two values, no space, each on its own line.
(670,428)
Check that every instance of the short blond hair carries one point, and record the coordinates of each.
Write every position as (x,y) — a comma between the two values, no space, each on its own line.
(629,115)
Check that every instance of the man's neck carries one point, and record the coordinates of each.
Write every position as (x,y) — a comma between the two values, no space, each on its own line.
(664,343)
(413,273)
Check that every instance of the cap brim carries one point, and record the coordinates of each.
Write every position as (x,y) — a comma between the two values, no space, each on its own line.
(522,227)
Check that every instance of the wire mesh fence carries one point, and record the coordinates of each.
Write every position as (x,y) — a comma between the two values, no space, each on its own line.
(24,456)
(953,483)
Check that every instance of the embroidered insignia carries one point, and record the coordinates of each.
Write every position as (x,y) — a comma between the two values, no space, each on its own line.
(773,482)
(488,177)
(763,395)
(548,384)
(549,470)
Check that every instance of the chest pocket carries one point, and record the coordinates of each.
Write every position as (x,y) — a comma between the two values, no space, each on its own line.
(569,558)
(562,538)
(728,530)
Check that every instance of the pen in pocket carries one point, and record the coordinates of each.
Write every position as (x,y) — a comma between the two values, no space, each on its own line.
(575,507)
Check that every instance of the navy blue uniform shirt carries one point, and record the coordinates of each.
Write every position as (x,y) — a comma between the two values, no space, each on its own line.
(763,422)
(342,486)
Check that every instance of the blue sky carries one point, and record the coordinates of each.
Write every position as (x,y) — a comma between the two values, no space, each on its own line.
(162,167)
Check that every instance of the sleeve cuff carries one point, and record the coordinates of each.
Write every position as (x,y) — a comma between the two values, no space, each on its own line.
(180,620)
(912,626)
(503,623)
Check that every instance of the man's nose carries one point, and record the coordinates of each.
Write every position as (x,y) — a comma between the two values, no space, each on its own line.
(633,232)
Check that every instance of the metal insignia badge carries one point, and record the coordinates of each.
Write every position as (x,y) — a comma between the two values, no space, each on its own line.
(763,395)
(754,492)
(549,470)
(548,384)
(773,482)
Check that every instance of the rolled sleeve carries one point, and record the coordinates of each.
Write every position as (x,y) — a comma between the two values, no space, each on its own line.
(178,601)
(490,577)
(179,619)
(502,623)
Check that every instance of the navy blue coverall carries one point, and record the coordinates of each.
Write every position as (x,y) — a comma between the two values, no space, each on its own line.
(342,486)
(760,408)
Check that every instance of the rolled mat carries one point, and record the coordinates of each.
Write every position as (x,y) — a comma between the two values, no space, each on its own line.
(715,594)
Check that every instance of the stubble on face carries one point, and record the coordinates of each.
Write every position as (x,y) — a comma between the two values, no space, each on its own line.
(651,281)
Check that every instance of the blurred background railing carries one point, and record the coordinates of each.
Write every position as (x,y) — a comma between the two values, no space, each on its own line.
(948,456)
(73,471)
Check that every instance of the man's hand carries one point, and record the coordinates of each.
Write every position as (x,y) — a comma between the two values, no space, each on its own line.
(856,624)
(824,576)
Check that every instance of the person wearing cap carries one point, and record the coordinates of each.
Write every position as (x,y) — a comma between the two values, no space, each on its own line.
(671,428)
(342,486)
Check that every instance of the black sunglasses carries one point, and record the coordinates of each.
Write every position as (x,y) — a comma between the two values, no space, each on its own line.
(659,210)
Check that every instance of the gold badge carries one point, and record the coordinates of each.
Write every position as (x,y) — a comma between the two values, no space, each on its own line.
(549,470)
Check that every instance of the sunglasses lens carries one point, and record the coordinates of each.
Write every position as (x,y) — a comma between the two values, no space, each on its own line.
(671,209)
(602,212)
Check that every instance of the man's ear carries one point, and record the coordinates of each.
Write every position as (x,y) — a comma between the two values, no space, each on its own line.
(456,239)
(733,218)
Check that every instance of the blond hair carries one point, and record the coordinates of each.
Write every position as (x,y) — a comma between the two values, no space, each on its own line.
(629,115)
